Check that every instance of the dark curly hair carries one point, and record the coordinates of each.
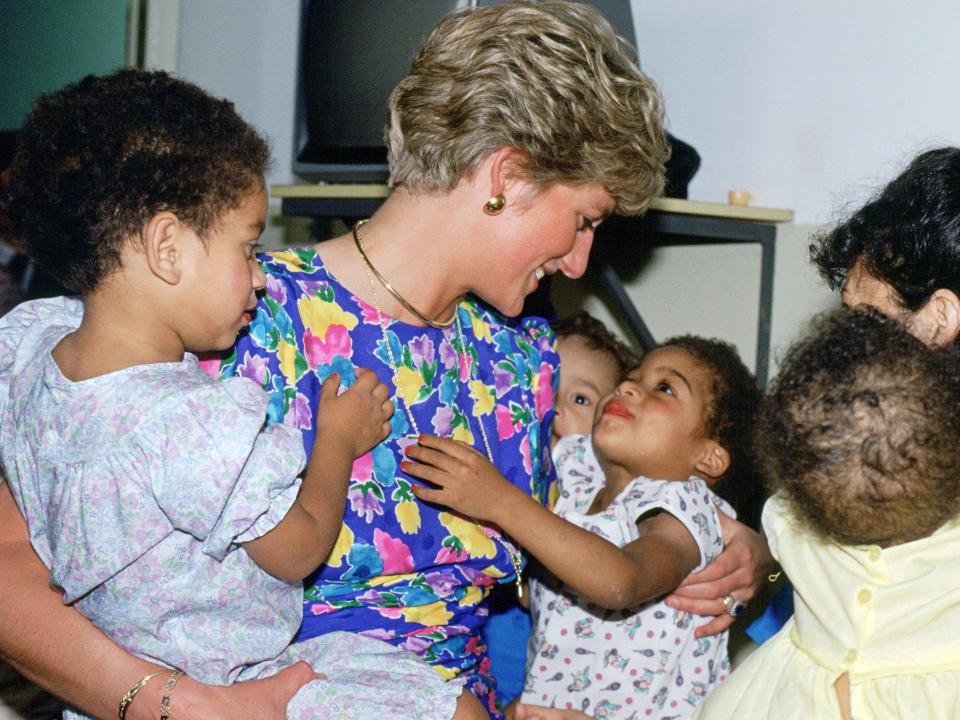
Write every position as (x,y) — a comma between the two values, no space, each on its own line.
(98,158)
(908,236)
(597,337)
(730,416)
(862,431)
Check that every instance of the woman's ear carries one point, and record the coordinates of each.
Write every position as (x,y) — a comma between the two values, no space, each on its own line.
(504,169)
(162,238)
(937,323)
(713,462)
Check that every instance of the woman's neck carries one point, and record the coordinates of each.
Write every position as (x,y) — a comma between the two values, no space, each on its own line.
(413,240)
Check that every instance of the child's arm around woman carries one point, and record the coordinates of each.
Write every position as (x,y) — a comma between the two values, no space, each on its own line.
(348,425)
(610,576)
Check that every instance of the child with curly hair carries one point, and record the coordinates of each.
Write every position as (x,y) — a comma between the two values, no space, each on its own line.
(165,511)
(862,438)
(592,361)
(637,512)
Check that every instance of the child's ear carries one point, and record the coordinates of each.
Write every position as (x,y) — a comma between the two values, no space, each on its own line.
(162,238)
(713,462)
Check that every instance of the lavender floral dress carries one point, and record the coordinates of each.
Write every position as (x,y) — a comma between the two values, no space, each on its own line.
(412,574)
(136,487)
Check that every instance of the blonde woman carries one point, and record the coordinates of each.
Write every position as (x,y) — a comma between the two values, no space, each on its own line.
(519,129)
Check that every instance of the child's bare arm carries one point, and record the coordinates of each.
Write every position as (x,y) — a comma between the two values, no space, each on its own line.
(740,570)
(603,573)
(348,426)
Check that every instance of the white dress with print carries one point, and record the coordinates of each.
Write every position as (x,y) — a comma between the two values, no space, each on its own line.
(637,663)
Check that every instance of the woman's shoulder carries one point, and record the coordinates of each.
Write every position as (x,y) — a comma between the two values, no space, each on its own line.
(301,260)
(529,335)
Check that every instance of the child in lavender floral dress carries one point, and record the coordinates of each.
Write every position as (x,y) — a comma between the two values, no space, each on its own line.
(165,511)
(638,511)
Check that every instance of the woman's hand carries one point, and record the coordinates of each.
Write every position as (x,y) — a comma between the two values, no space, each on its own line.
(466,481)
(739,571)
(264,699)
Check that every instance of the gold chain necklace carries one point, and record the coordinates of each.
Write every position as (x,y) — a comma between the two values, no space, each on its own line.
(513,553)
(383,281)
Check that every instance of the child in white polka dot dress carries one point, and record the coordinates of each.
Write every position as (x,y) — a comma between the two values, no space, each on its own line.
(639,509)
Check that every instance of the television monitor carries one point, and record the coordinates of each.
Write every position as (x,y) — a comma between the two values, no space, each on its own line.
(352,54)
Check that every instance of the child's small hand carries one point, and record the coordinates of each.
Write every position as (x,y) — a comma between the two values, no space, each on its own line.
(359,418)
(467,481)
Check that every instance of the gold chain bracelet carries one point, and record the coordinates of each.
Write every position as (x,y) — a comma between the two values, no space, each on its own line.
(167,691)
(130,694)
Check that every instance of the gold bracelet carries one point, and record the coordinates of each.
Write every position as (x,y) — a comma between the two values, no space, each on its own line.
(167,691)
(132,692)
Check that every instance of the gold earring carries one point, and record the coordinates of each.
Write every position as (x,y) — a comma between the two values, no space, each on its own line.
(495,205)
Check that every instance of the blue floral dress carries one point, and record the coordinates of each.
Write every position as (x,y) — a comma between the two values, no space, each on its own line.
(412,574)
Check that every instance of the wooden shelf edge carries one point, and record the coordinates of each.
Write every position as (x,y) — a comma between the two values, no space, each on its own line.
(673,205)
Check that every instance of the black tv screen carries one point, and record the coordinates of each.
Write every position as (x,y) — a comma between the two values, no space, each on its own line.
(352,54)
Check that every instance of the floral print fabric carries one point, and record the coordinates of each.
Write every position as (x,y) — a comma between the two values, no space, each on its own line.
(136,487)
(412,574)
(642,662)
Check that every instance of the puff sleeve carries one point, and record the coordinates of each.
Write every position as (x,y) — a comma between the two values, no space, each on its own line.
(202,464)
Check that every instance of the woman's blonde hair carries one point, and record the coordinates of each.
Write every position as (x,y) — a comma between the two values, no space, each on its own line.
(548,78)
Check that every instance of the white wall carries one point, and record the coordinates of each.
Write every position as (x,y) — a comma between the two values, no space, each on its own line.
(808,105)
(714,291)
(246,50)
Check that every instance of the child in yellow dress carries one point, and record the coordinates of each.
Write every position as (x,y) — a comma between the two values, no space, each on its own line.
(862,437)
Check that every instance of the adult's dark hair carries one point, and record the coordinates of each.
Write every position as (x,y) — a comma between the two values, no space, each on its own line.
(862,431)
(597,337)
(908,236)
(98,158)
(730,417)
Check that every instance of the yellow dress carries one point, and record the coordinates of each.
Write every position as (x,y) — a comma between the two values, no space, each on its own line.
(889,617)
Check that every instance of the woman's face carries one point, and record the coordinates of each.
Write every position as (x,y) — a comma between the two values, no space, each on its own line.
(862,288)
(551,232)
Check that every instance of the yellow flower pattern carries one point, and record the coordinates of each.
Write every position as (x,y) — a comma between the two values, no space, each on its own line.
(484,398)
(319,314)
(408,383)
(475,542)
(408,514)
(433,614)
(341,547)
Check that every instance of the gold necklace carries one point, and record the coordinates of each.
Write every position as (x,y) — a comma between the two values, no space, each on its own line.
(358,241)
(516,557)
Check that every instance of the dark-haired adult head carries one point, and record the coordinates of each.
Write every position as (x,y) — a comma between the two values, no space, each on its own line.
(900,253)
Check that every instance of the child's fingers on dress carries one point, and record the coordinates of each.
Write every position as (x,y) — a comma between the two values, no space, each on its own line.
(387,408)
(425,472)
(435,458)
(464,453)
(428,495)
(330,386)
